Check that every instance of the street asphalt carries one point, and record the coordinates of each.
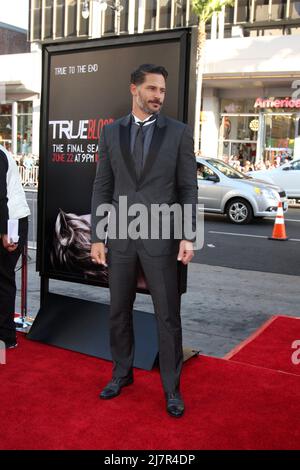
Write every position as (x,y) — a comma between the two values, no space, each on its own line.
(248,246)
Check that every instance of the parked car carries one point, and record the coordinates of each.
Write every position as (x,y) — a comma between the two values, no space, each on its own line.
(224,190)
(286,176)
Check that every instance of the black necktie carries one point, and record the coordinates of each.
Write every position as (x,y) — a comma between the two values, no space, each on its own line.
(138,150)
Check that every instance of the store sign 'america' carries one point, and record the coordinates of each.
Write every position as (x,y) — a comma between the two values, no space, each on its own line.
(276,103)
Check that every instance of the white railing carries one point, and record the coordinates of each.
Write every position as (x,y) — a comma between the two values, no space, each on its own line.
(29,176)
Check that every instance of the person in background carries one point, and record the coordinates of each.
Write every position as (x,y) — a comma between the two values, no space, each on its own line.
(24,147)
(247,167)
(13,205)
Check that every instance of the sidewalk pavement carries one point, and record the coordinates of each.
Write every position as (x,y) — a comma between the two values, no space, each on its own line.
(221,308)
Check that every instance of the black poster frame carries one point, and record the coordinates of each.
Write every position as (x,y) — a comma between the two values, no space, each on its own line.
(50,314)
(181,35)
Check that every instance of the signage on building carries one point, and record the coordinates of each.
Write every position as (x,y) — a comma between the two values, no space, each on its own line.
(287,102)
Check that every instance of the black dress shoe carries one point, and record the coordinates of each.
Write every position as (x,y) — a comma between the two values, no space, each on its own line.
(11,344)
(175,404)
(113,388)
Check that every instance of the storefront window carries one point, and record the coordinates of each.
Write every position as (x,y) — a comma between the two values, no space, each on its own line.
(240,127)
(6,125)
(24,123)
(239,136)
(269,133)
(279,136)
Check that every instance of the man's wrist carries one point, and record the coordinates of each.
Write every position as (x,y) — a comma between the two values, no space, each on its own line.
(188,244)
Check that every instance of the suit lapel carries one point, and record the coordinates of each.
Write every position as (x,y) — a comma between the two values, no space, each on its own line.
(125,146)
(157,139)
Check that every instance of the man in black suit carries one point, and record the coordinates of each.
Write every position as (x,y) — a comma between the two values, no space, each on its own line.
(148,158)
(13,206)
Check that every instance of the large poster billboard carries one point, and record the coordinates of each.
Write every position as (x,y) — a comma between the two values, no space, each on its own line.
(85,87)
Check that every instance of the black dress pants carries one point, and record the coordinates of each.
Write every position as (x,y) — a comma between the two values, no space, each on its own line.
(161,276)
(8,262)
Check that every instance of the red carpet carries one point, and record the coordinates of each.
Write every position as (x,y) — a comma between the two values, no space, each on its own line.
(49,400)
(271,345)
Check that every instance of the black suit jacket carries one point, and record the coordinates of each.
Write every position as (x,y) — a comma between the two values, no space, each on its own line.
(3,193)
(169,176)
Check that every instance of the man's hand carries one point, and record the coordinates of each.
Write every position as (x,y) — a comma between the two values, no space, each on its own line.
(186,251)
(98,253)
(7,245)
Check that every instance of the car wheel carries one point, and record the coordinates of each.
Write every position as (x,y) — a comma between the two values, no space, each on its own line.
(239,211)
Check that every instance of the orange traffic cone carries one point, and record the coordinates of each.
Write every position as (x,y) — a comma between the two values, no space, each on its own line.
(279,225)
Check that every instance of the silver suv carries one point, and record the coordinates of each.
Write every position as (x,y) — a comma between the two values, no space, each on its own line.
(224,190)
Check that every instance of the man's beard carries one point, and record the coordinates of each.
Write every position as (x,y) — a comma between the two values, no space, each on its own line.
(143,105)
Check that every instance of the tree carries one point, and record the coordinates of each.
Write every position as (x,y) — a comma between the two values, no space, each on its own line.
(204,9)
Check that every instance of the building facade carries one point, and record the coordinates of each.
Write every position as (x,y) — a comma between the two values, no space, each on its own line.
(20,81)
(63,19)
(70,19)
(254,110)
(251,83)
(13,40)
(250,99)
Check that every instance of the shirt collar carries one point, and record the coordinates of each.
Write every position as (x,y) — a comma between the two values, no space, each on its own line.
(146,121)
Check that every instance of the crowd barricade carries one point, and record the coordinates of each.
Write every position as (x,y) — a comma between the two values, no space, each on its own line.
(23,321)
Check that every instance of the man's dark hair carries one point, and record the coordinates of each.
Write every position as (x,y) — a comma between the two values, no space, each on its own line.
(138,76)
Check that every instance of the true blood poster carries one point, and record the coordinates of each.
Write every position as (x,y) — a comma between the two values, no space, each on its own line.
(88,88)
